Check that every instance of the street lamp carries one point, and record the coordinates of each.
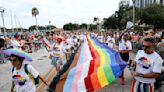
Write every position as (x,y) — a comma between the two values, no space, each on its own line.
(2,15)
(133,13)
(97,22)
(49,25)
(116,17)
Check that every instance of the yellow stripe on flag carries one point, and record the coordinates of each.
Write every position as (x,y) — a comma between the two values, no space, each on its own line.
(101,76)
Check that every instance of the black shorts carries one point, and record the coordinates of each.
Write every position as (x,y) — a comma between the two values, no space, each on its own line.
(125,56)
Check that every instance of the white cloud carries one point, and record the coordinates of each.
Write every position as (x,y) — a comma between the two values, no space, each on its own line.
(58,12)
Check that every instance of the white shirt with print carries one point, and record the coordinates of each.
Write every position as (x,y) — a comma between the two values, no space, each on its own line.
(59,52)
(100,38)
(125,45)
(111,42)
(20,76)
(146,63)
(15,44)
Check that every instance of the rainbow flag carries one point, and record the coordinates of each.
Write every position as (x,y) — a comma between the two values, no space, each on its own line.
(97,66)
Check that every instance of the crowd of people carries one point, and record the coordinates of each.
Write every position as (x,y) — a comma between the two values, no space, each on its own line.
(148,46)
(113,38)
(148,62)
(60,46)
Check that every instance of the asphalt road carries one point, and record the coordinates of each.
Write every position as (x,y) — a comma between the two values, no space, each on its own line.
(40,62)
(47,71)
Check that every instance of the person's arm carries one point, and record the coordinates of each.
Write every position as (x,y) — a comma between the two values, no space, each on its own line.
(132,63)
(149,75)
(35,73)
(43,80)
(12,87)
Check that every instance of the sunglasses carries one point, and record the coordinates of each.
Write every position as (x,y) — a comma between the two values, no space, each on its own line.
(12,60)
(147,47)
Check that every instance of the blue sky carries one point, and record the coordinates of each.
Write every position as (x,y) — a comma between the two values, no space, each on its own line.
(58,12)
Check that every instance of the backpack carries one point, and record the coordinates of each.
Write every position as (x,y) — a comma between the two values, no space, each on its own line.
(35,80)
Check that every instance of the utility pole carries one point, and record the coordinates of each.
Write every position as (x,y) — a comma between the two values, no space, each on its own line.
(11,21)
(50,25)
(36,21)
(133,13)
(0,29)
(2,15)
(15,23)
(19,24)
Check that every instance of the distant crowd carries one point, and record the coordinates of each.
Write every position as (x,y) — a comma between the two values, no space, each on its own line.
(147,45)
(112,39)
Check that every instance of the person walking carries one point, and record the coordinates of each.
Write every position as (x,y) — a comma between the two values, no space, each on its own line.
(148,66)
(57,54)
(125,47)
(15,43)
(24,76)
(23,82)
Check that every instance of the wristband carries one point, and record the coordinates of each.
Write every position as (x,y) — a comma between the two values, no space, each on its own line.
(45,82)
(12,89)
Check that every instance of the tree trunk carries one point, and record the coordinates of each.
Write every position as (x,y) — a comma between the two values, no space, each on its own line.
(36,22)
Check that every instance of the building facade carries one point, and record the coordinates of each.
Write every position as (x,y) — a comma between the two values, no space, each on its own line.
(144,3)
(124,3)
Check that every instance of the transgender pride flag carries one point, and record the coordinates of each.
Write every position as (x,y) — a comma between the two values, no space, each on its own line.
(93,68)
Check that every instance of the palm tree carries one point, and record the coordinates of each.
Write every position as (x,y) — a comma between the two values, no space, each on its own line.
(35,12)
(96,20)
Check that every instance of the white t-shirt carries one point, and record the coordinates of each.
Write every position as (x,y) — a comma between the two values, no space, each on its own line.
(15,44)
(22,81)
(59,46)
(95,34)
(58,49)
(125,45)
(70,41)
(100,38)
(146,63)
(75,41)
(111,41)
(92,34)
(162,40)
(81,37)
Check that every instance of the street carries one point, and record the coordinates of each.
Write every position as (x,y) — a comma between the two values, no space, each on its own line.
(40,62)
(43,65)
(81,46)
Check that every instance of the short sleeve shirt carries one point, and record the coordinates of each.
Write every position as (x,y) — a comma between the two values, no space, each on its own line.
(15,44)
(146,63)
(100,38)
(125,45)
(22,81)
